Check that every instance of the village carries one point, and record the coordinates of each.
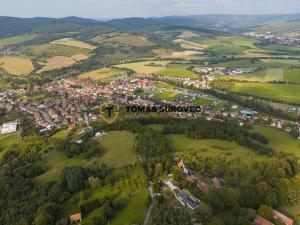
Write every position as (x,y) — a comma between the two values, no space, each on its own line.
(71,101)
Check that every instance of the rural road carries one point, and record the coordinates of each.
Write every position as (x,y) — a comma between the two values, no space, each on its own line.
(150,189)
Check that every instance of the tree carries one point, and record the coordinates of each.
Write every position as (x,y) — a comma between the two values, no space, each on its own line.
(47,214)
(222,199)
(158,170)
(73,178)
(94,182)
(265,211)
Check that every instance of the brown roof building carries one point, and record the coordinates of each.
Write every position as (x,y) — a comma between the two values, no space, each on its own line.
(261,221)
(282,218)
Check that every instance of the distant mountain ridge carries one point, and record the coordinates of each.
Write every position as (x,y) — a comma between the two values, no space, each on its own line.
(222,22)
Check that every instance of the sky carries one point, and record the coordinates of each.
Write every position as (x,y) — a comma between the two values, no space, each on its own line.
(142,8)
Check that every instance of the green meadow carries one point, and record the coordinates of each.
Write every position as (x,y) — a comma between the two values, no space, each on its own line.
(213,148)
(16,40)
(118,151)
(277,92)
(178,70)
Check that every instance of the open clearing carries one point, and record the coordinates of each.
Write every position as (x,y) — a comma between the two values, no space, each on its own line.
(131,40)
(104,74)
(118,151)
(166,95)
(73,43)
(178,70)
(145,66)
(274,75)
(48,50)
(16,40)
(279,140)
(190,45)
(59,62)
(16,65)
(292,75)
(213,148)
(277,92)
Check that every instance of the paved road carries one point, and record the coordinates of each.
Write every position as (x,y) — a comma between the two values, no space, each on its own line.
(150,189)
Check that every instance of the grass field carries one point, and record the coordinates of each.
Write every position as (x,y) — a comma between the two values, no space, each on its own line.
(131,189)
(280,92)
(203,101)
(225,44)
(57,62)
(50,50)
(213,148)
(274,75)
(8,139)
(292,62)
(279,140)
(166,95)
(118,151)
(16,65)
(292,75)
(104,74)
(73,43)
(178,70)
(281,48)
(16,40)
(131,40)
(143,67)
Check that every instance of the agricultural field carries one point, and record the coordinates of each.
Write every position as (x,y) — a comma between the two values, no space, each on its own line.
(213,148)
(131,40)
(104,74)
(178,70)
(276,92)
(292,75)
(226,44)
(50,50)
(16,65)
(190,45)
(118,151)
(145,66)
(274,75)
(73,43)
(59,62)
(280,48)
(16,40)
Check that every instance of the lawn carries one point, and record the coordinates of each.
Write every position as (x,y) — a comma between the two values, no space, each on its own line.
(118,151)
(277,92)
(16,40)
(292,75)
(16,65)
(144,67)
(178,70)
(103,74)
(73,43)
(213,148)
(279,140)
